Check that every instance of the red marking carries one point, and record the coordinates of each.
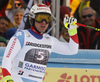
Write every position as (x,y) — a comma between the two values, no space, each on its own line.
(65,78)
(41,5)
(5,72)
(75,38)
(35,30)
(11,48)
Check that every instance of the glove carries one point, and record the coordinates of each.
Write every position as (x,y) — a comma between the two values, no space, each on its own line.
(8,79)
(70,24)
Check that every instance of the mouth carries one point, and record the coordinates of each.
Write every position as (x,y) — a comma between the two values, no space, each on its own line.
(42,26)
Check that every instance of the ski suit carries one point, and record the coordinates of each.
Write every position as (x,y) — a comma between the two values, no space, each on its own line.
(27,54)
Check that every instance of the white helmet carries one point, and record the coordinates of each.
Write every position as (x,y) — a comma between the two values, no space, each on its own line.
(39,8)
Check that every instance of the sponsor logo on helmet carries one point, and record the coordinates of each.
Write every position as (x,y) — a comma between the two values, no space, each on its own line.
(43,9)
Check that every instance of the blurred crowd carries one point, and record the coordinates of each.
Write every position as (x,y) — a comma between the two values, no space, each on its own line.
(87,13)
(88,16)
(10,19)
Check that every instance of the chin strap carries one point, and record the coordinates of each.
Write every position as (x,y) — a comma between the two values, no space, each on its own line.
(36,31)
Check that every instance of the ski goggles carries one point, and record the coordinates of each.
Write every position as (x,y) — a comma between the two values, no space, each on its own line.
(43,17)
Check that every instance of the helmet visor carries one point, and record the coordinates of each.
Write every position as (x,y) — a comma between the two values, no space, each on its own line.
(43,17)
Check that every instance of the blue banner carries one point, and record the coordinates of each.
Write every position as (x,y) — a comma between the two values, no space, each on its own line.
(83,59)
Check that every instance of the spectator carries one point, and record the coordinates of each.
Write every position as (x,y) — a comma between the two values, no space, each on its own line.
(18,3)
(84,3)
(64,11)
(4,23)
(90,3)
(9,12)
(3,42)
(64,37)
(88,38)
(18,14)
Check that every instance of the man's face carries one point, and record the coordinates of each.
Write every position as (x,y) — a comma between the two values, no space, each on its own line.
(42,22)
(3,25)
(18,18)
(41,27)
(88,17)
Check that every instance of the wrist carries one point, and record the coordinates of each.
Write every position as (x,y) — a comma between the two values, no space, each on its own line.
(72,31)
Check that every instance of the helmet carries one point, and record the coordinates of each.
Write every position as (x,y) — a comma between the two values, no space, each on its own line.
(39,8)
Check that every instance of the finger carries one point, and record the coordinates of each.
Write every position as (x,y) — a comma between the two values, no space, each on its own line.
(67,19)
(74,22)
(66,25)
(71,20)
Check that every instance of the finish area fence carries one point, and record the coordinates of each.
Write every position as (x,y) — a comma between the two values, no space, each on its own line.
(83,59)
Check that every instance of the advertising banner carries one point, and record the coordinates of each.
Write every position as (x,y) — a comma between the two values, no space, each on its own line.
(1,77)
(72,75)
(69,75)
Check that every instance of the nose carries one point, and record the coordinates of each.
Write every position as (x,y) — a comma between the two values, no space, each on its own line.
(19,16)
(87,17)
(44,22)
(16,6)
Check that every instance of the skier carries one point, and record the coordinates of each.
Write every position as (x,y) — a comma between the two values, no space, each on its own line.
(27,53)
